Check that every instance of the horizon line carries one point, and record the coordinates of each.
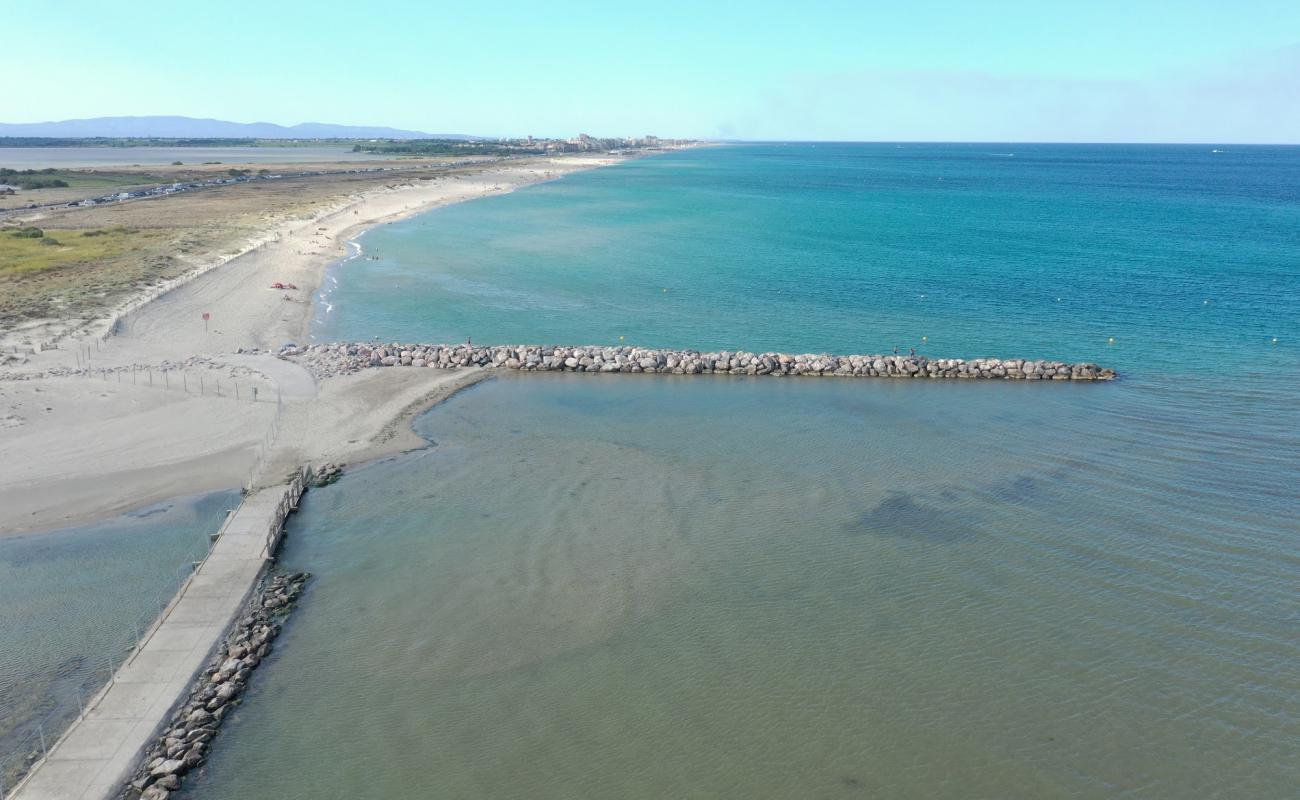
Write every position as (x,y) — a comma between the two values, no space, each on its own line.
(710,140)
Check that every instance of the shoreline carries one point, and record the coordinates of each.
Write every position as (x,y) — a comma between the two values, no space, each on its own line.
(350,237)
(98,441)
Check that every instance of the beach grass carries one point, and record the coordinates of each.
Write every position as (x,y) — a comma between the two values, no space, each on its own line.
(67,269)
(24,255)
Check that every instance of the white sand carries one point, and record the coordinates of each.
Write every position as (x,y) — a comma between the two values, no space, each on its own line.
(76,448)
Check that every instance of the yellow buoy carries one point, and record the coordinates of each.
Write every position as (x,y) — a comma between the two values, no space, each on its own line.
(620,338)
(925,338)
(1112,340)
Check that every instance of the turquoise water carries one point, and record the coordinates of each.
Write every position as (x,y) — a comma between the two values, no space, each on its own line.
(860,248)
(72,602)
(633,586)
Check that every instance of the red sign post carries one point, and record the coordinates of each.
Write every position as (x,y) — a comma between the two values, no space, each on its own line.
(206,317)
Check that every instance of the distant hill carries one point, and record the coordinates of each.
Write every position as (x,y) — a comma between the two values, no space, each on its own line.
(190,128)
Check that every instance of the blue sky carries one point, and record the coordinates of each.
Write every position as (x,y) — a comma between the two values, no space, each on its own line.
(1012,71)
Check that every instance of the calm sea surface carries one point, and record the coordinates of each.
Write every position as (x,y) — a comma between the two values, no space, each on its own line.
(73,601)
(634,586)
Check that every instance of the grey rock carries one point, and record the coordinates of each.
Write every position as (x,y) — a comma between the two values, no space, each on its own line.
(168,767)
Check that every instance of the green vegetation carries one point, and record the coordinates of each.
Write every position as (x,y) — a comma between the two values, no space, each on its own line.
(50,178)
(39,183)
(66,270)
(31,178)
(29,250)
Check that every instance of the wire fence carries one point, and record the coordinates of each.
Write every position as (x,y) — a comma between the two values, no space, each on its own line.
(189,380)
(194,377)
(75,683)
(265,445)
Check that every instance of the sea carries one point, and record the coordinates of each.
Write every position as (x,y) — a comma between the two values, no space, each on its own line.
(657,586)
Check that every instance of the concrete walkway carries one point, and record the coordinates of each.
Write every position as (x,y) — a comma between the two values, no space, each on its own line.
(98,752)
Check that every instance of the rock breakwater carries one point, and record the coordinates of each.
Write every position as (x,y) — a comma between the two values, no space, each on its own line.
(325,360)
(184,744)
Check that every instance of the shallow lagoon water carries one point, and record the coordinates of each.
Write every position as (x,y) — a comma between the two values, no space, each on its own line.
(80,157)
(654,587)
(73,600)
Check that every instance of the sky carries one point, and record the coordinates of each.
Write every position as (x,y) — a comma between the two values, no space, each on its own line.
(1132,71)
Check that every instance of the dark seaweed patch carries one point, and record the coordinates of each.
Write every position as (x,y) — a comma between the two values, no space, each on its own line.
(901,516)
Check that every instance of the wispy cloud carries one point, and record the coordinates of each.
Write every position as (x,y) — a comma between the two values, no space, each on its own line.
(1253,99)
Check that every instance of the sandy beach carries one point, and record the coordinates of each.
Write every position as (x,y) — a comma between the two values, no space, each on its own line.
(170,406)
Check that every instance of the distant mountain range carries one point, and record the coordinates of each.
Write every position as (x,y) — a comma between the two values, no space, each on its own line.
(190,128)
